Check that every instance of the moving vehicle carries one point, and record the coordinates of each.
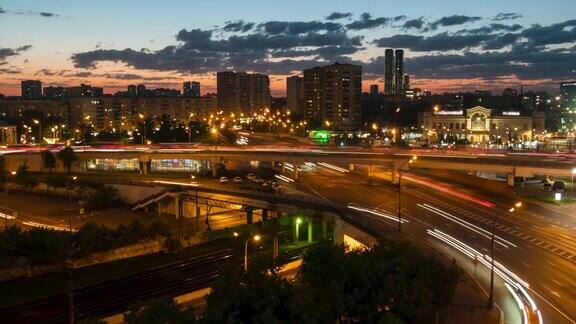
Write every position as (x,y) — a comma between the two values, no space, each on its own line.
(238,180)
(223,180)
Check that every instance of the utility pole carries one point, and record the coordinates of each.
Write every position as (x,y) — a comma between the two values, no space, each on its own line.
(69,264)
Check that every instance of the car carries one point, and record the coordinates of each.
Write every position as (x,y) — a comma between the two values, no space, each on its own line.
(266,184)
(558,186)
(258,180)
(238,180)
(276,186)
(547,186)
(223,180)
(250,176)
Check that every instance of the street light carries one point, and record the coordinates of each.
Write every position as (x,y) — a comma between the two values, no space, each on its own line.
(214,132)
(491,297)
(144,124)
(412,160)
(37,122)
(69,264)
(254,238)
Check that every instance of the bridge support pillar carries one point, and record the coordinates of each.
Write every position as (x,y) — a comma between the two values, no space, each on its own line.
(283,168)
(351,167)
(296,232)
(510,179)
(264,214)
(394,175)
(296,172)
(324,228)
(143,166)
(177,208)
(214,167)
(249,215)
(310,230)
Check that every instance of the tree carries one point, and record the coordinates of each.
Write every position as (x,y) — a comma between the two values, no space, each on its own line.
(67,156)
(24,178)
(104,197)
(48,159)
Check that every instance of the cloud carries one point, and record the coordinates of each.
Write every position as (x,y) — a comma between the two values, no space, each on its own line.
(452,21)
(7,52)
(9,71)
(491,29)
(237,26)
(47,14)
(439,42)
(2,10)
(367,22)
(559,33)
(339,15)
(506,16)
(298,27)
(417,23)
(202,51)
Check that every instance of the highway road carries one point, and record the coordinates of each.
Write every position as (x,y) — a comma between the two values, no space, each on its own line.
(536,244)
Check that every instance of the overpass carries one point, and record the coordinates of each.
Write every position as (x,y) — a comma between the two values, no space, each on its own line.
(142,159)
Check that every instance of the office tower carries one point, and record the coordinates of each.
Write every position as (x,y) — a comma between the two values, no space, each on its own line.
(84,90)
(31,89)
(295,94)
(373,89)
(399,72)
(568,105)
(191,89)
(242,93)
(141,90)
(389,71)
(333,96)
(406,82)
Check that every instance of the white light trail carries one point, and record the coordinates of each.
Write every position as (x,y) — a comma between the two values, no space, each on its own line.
(52,227)
(377,213)
(518,301)
(186,184)
(470,226)
(333,167)
(2,215)
(284,178)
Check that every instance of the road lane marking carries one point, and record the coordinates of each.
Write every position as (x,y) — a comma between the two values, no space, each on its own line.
(550,263)
(526,264)
(556,282)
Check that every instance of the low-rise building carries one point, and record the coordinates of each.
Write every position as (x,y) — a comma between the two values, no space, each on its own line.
(480,125)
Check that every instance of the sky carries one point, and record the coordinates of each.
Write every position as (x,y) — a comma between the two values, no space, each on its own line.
(449,46)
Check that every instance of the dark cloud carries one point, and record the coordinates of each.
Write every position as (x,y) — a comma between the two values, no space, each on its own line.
(47,14)
(559,33)
(492,28)
(339,15)
(298,27)
(439,42)
(238,26)
(9,71)
(366,22)
(506,16)
(401,17)
(2,10)
(453,20)
(7,52)
(417,23)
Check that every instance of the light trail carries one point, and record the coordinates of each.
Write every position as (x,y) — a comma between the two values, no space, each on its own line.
(186,184)
(479,230)
(333,167)
(52,227)
(513,282)
(284,178)
(377,213)
(2,215)
(446,189)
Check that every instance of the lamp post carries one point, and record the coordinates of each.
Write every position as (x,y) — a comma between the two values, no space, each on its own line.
(255,238)
(412,160)
(491,297)
(214,132)
(12,173)
(69,264)
(37,122)
(143,126)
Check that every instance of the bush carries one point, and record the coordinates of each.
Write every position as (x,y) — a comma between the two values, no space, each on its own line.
(104,197)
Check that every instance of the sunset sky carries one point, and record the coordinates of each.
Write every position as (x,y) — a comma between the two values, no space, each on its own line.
(489,44)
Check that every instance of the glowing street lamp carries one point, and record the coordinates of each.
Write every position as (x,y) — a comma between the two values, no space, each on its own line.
(412,160)
(255,238)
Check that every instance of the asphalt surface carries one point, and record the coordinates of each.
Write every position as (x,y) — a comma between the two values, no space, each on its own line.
(542,241)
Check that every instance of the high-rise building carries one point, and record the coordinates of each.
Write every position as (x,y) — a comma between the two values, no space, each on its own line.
(84,90)
(295,94)
(399,72)
(406,82)
(191,89)
(333,96)
(141,90)
(31,89)
(52,92)
(131,90)
(373,89)
(567,105)
(242,93)
(389,71)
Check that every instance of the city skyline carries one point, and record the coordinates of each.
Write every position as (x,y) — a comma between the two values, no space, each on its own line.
(482,47)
